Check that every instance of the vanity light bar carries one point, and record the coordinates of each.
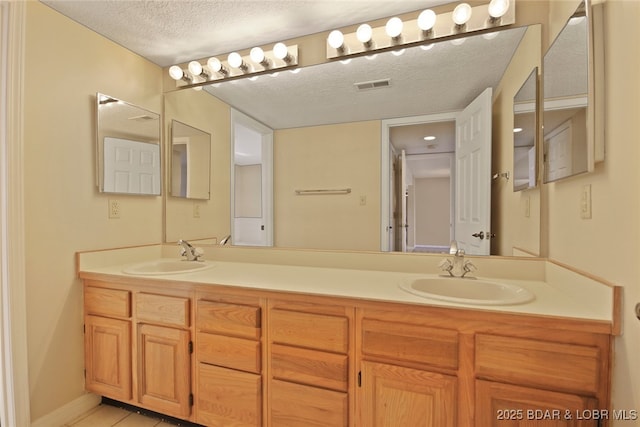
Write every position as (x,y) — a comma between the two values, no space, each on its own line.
(236,66)
(427,28)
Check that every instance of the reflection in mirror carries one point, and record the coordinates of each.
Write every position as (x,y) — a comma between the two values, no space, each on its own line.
(525,134)
(128,148)
(190,161)
(327,131)
(567,146)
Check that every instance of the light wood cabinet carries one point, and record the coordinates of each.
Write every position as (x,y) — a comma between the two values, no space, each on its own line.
(138,346)
(310,348)
(504,405)
(229,360)
(272,359)
(398,396)
(108,356)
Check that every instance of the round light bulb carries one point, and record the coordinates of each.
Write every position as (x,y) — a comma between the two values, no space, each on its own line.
(461,14)
(497,8)
(280,50)
(394,27)
(335,39)
(364,33)
(257,55)
(234,60)
(195,68)
(214,64)
(426,20)
(176,72)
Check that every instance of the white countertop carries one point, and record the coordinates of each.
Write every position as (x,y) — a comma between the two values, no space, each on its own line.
(562,293)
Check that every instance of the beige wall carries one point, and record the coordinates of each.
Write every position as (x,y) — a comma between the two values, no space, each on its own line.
(328,157)
(248,191)
(608,245)
(202,111)
(66,64)
(433,211)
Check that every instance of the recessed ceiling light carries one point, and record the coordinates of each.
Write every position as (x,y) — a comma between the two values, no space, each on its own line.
(516,130)
(429,138)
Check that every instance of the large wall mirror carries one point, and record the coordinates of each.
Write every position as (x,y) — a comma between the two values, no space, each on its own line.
(190,161)
(525,133)
(128,148)
(569,132)
(327,124)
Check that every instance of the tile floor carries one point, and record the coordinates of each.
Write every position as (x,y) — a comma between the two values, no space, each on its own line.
(111,416)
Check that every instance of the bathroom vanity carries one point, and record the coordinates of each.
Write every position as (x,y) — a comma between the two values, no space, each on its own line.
(268,344)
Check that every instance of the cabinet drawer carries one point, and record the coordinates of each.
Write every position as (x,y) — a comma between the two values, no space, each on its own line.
(162,309)
(228,319)
(317,331)
(297,405)
(230,352)
(410,343)
(107,302)
(228,398)
(565,367)
(327,370)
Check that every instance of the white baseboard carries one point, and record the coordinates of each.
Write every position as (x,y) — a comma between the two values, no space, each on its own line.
(68,412)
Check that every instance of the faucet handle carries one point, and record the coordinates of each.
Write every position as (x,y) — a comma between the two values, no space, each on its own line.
(446,265)
(468,267)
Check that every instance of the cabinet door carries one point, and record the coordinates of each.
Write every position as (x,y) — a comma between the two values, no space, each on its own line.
(108,357)
(397,396)
(164,370)
(228,398)
(503,405)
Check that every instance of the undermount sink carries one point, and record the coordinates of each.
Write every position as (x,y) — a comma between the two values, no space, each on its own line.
(467,290)
(166,266)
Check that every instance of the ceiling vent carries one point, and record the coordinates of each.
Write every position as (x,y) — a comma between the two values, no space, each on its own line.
(374,84)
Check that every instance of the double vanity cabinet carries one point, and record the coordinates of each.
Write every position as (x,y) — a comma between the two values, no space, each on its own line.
(228,356)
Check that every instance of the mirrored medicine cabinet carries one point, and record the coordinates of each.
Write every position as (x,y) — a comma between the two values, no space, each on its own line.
(525,133)
(128,148)
(190,161)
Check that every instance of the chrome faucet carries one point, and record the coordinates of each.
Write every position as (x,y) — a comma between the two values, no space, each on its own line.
(192,254)
(458,267)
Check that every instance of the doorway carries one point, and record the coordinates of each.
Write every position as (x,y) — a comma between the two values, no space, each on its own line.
(251,182)
(418,211)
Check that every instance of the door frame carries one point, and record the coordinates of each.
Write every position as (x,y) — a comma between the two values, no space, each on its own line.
(386,173)
(14,372)
(267,172)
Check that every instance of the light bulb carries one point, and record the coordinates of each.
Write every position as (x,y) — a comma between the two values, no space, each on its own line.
(214,64)
(195,68)
(426,20)
(280,50)
(364,33)
(497,8)
(394,27)
(257,55)
(461,14)
(235,60)
(176,72)
(336,39)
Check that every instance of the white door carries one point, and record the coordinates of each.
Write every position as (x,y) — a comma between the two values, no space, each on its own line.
(473,176)
(557,153)
(131,166)
(251,182)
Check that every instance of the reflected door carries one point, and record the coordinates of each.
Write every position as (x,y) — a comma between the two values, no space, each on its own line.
(252,206)
(473,176)
(131,167)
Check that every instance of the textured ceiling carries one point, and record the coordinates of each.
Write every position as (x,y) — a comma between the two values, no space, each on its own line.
(171,32)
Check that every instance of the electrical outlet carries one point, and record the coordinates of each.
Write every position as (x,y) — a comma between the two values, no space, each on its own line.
(114,209)
(363,200)
(196,210)
(585,202)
